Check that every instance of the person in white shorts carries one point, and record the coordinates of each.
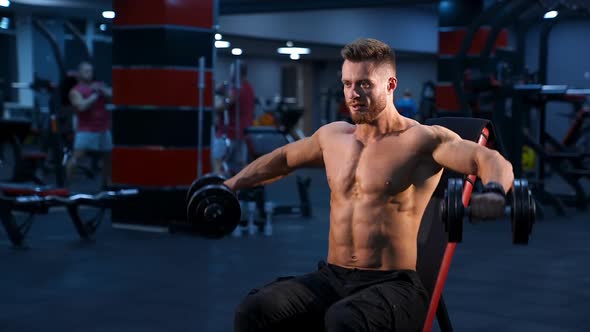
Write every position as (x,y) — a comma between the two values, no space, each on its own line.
(89,98)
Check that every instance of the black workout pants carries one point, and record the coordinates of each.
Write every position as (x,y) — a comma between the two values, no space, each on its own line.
(336,299)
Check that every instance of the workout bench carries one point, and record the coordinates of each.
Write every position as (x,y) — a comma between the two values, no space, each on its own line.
(434,251)
(39,200)
(13,132)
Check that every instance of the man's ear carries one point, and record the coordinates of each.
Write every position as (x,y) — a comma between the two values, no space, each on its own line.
(392,84)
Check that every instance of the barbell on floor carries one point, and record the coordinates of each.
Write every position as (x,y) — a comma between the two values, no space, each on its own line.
(34,201)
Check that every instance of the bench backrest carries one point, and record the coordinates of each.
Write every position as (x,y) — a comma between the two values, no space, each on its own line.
(432,238)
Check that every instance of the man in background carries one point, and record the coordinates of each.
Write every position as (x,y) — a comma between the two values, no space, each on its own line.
(233,99)
(406,106)
(89,98)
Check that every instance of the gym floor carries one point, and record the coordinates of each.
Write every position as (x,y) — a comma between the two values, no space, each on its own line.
(139,281)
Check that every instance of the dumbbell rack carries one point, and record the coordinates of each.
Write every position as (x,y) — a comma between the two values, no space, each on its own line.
(249,213)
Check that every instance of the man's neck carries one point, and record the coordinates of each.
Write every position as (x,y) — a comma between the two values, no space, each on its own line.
(389,121)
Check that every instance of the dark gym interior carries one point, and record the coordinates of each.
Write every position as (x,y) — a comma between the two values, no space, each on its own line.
(143,234)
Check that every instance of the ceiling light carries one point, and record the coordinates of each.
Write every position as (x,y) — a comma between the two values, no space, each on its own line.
(290,43)
(222,44)
(103,27)
(236,51)
(4,3)
(295,56)
(4,23)
(551,14)
(218,36)
(108,14)
(291,50)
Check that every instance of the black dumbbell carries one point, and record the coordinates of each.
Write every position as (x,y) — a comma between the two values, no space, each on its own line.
(207,179)
(213,210)
(521,210)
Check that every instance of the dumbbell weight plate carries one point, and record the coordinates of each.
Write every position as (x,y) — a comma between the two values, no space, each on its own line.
(454,210)
(213,211)
(522,212)
(532,212)
(205,180)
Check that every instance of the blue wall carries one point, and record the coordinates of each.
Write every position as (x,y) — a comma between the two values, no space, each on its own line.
(408,29)
(568,63)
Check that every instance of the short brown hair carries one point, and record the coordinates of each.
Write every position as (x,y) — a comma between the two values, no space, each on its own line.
(368,49)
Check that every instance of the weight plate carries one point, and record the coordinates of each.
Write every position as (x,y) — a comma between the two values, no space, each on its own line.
(455,210)
(207,179)
(521,212)
(213,211)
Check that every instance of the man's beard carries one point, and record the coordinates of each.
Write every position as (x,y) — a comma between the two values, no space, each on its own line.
(369,116)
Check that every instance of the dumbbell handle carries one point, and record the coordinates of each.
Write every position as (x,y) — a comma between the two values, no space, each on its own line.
(507,211)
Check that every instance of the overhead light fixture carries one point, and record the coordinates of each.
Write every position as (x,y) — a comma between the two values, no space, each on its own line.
(218,36)
(445,6)
(292,50)
(4,3)
(551,14)
(222,44)
(289,44)
(295,56)
(108,14)
(103,27)
(4,23)
(236,51)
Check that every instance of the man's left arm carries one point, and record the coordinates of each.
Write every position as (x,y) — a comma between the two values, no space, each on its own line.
(103,89)
(227,101)
(107,91)
(467,157)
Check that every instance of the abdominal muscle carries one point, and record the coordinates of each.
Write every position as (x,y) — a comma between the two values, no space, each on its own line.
(371,233)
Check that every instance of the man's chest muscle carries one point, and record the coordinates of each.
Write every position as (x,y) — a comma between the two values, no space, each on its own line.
(381,167)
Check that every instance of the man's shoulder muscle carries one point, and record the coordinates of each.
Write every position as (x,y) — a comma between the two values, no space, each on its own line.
(327,132)
(427,138)
(336,127)
(439,134)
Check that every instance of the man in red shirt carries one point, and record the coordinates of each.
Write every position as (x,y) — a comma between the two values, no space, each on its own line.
(89,98)
(246,101)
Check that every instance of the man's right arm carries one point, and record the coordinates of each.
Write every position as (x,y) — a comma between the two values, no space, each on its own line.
(279,163)
(80,102)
